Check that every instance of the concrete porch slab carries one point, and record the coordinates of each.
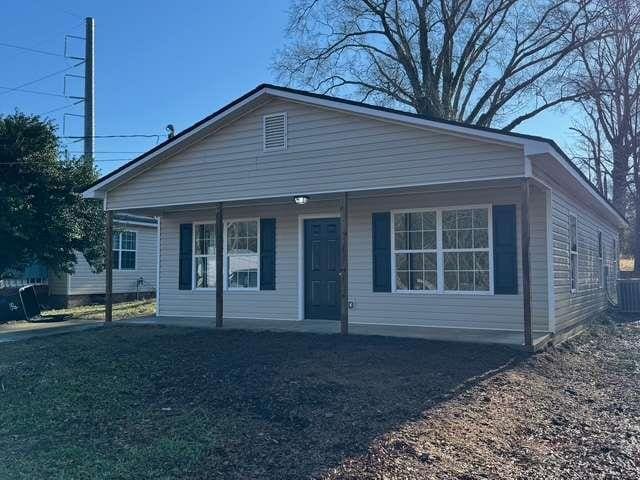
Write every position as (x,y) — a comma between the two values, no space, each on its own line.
(501,337)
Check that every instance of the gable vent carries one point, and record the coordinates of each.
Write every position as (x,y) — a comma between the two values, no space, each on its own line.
(275,132)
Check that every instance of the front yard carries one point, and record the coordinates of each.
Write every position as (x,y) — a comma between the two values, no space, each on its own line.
(152,402)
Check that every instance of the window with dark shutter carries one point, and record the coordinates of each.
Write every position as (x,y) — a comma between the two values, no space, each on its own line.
(267,254)
(505,250)
(185,261)
(381,251)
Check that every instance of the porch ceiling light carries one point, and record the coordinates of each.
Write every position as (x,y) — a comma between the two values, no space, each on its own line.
(301,199)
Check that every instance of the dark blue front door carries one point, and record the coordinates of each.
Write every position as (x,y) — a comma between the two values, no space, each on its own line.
(321,268)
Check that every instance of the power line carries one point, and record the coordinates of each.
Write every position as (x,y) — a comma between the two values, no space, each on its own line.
(61,108)
(32,50)
(108,151)
(18,87)
(35,92)
(118,136)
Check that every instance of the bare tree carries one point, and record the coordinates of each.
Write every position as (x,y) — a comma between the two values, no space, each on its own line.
(610,87)
(590,150)
(483,62)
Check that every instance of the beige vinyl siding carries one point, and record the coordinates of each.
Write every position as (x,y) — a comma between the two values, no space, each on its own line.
(448,310)
(326,151)
(58,283)
(85,281)
(572,308)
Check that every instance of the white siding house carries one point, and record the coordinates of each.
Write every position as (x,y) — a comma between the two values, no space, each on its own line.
(135,267)
(440,220)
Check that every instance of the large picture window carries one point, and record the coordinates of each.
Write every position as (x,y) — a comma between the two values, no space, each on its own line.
(242,256)
(442,250)
(124,250)
(465,246)
(204,255)
(573,252)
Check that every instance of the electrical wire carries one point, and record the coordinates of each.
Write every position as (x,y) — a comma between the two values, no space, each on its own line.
(26,162)
(118,136)
(31,50)
(58,72)
(35,92)
(61,108)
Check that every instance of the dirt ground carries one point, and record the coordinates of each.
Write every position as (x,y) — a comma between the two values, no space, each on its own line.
(570,413)
(153,402)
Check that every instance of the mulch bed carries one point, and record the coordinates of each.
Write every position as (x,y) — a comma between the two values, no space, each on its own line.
(152,402)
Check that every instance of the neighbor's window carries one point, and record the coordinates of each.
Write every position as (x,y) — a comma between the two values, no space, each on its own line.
(415,251)
(573,252)
(124,250)
(242,254)
(204,255)
(465,243)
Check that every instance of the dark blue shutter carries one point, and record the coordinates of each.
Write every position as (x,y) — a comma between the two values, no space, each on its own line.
(505,250)
(381,248)
(184,267)
(267,254)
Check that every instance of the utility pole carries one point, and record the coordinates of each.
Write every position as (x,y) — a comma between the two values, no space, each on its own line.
(89,90)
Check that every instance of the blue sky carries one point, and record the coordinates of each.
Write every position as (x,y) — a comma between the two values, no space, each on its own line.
(156,63)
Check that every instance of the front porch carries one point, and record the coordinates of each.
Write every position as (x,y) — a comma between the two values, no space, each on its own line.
(269,273)
(463,335)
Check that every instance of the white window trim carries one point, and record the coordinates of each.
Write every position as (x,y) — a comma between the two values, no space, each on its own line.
(571,252)
(118,248)
(264,132)
(225,256)
(440,252)
(194,256)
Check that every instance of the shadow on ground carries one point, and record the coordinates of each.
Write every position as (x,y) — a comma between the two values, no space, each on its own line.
(150,402)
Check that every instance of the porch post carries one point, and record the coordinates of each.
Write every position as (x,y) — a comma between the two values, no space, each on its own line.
(108,263)
(344,264)
(219,260)
(526,267)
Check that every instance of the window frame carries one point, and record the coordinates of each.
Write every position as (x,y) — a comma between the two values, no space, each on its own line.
(118,248)
(225,255)
(574,289)
(194,283)
(440,290)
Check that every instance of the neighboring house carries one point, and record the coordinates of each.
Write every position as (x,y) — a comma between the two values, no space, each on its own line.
(436,231)
(135,247)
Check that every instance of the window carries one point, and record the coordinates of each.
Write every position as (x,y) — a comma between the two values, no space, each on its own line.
(573,252)
(242,254)
(465,243)
(443,250)
(204,255)
(415,250)
(124,250)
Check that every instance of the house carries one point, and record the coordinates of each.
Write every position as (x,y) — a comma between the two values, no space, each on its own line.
(292,206)
(135,253)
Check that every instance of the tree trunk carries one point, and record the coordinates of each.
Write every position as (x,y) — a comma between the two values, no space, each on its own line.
(619,173)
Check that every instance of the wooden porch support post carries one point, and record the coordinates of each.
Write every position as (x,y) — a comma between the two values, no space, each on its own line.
(108,263)
(526,265)
(219,260)
(344,264)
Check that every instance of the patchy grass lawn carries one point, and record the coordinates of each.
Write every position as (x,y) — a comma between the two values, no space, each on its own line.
(142,308)
(153,402)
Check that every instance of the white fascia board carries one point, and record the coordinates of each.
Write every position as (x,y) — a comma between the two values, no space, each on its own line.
(540,148)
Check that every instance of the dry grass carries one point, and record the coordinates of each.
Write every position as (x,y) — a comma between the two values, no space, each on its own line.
(142,308)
